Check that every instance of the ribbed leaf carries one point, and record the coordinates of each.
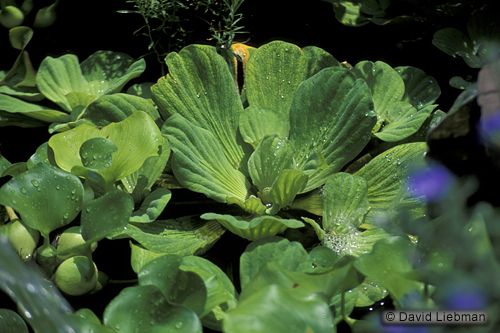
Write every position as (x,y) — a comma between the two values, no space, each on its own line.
(256,228)
(272,156)
(333,113)
(274,71)
(199,163)
(256,122)
(58,77)
(345,201)
(200,87)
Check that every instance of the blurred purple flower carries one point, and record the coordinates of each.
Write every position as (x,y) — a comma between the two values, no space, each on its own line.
(432,182)
(466,297)
(490,124)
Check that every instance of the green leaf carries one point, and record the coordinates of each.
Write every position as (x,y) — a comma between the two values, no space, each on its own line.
(289,255)
(106,215)
(199,164)
(369,292)
(388,264)
(137,137)
(253,205)
(289,183)
(454,42)
(333,113)
(349,12)
(183,236)
(58,77)
(96,153)
(200,87)
(276,309)
(113,68)
(421,90)
(219,289)
(257,122)
(115,108)
(345,201)
(385,84)
(152,206)
(179,288)
(404,120)
(275,70)
(12,322)
(46,197)
(16,106)
(19,120)
(322,285)
(144,309)
(272,156)
(256,228)
(346,240)
(141,256)
(386,175)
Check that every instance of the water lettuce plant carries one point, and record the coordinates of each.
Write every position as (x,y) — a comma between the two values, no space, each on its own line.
(301,118)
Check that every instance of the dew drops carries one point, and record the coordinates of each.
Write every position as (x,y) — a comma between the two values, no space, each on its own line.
(35,182)
(179,325)
(23,190)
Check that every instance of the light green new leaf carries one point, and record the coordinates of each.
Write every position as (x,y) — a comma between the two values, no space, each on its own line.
(152,206)
(386,176)
(137,137)
(421,90)
(257,122)
(345,201)
(275,308)
(140,256)
(17,106)
(144,309)
(289,183)
(274,71)
(404,120)
(147,174)
(46,197)
(273,155)
(333,113)
(289,255)
(256,228)
(385,84)
(200,87)
(106,215)
(389,264)
(199,163)
(115,108)
(183,236)
(455,43)
(57,77)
